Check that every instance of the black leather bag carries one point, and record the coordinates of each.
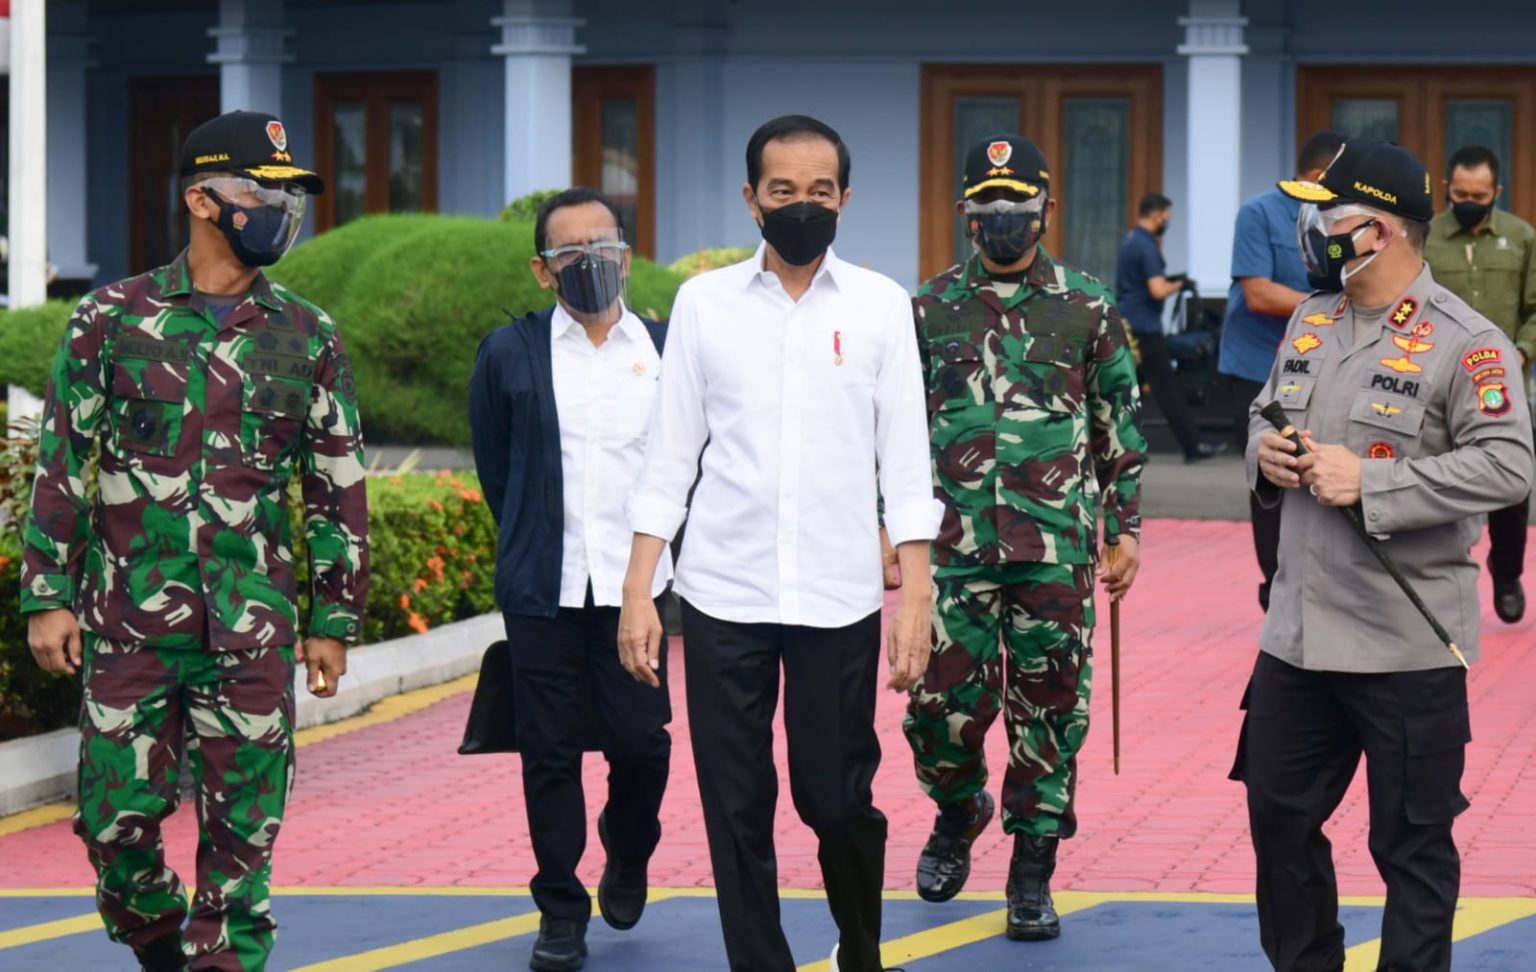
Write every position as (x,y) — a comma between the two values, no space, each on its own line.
(492,723)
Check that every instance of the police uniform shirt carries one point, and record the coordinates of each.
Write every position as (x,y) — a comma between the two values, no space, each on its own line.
(1434,405)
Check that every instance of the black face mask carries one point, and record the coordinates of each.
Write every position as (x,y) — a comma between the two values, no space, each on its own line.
(258,236)
(1333,252)
(799,232)
(1469,213)
(590,285)
(1006,237)
(1162,228)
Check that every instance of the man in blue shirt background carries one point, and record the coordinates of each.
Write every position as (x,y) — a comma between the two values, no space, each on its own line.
(1268,281)
(1141,286)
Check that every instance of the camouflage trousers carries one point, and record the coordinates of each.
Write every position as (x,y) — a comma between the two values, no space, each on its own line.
(1013,638)
(232,714)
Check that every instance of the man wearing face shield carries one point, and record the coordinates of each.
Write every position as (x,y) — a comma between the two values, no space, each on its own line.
(1487,257)
(1032,400)
(207,387)
(560,403)
(1410,415)
(795,374)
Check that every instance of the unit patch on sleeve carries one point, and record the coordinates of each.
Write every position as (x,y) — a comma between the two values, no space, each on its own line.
(1493,398)
(1481,356)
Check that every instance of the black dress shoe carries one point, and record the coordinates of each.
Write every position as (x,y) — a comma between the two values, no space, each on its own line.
(1508,599)
(945,862)
(164,954)
(562,945)
(1205,450)
(622,890)
(1031,912)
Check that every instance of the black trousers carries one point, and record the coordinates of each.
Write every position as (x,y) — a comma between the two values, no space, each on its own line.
(554,661)
(1265,522)
(1157,370)
(829,722)
(1506,540)
(1300,745)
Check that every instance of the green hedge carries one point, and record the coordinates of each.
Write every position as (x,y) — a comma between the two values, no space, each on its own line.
(712,259)
(28,340)
(433,561)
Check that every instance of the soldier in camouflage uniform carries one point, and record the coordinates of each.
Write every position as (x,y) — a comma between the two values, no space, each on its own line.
(205,385)
(1032,400)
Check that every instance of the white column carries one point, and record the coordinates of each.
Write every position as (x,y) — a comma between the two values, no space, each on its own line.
(1213,43)
(251,53)
(28,204)
(537,41)
(68,139)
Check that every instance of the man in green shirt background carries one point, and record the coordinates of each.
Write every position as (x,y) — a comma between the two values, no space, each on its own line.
(1487,256)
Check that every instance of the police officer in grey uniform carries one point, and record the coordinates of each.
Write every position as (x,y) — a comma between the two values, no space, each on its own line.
(1414,414)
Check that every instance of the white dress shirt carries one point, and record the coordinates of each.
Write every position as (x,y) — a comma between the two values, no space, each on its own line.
(603,398)
(800,403)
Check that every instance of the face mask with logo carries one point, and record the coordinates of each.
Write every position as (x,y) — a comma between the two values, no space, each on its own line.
(1325,254)
(1470,212)
(1006,229)
(589,277)
(799,232)
(258,235)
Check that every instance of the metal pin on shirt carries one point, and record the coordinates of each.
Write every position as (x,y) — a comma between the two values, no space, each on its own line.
(837,347)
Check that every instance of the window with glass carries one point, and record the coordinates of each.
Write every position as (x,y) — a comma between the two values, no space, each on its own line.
(1099,128)
(613,134)
(1433,111)
(376,142)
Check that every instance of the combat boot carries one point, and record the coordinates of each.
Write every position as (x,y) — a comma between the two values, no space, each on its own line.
(1031,912)
(945,862)
(164,954)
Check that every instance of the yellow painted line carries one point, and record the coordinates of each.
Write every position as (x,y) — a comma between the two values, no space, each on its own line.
(1473,917)
(385,710)
(967,931)
(48,930)
(444,943)
(36,817)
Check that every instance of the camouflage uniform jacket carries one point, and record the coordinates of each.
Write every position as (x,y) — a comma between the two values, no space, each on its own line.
(201,424)
(1032,398)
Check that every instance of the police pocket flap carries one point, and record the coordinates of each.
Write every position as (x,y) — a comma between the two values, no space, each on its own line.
(1428,733)
(1293,392)
(1391,413)
(278,396)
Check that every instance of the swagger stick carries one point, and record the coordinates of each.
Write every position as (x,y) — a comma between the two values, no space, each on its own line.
(1274,413)
(1112,554)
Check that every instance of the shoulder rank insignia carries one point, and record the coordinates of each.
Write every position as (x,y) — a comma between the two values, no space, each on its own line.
(1404,312)
(1307,342)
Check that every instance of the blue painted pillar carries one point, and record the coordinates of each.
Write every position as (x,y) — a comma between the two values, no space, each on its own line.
(251,49)
(68,62)
(691,204)
(538,38)
(1213,43)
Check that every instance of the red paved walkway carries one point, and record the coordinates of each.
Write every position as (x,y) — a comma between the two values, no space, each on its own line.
(393,805)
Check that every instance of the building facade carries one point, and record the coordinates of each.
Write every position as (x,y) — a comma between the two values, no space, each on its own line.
(461,105)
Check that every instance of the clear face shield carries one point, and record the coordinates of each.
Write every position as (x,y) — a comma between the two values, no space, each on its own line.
(1005,228)
(261,222)
(1324,248)
(591,277)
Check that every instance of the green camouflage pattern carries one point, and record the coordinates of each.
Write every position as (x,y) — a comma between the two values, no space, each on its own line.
(1043,614)
(139,704)
(201,426)
(1032,400)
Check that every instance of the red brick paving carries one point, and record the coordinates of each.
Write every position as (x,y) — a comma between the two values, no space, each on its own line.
(393,804)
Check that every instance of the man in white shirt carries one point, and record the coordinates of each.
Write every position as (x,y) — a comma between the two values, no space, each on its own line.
(800,373)
(560,407)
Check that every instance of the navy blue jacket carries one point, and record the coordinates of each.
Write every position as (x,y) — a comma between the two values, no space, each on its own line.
(517,454)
